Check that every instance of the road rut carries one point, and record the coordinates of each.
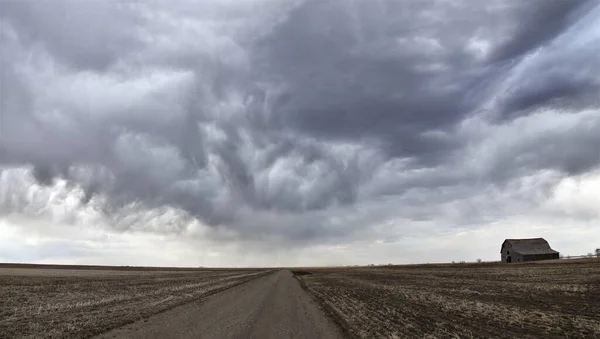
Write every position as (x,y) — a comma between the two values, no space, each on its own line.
(273,306)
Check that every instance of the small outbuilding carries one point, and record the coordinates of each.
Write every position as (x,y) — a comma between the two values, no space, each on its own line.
(520,250)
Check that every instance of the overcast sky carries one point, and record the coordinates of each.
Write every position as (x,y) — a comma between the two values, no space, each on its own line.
(270,132)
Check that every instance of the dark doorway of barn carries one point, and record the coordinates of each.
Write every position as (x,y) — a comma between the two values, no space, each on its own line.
(508,259)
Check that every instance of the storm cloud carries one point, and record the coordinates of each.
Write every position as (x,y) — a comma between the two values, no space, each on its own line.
(274,125)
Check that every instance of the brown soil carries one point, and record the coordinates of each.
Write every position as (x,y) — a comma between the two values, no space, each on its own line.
(71,302)
(491,300)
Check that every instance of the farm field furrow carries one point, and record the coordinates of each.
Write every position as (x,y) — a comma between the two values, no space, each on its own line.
(550,300)
(59,303)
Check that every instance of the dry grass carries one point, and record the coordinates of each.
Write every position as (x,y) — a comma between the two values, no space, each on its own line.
(554,300)
(40,302)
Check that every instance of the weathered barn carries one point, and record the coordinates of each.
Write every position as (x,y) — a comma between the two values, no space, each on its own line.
(519,250)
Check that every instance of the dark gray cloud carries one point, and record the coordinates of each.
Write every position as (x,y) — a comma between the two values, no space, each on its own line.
(374,74)
(275,125)
(537,23)
(76,33)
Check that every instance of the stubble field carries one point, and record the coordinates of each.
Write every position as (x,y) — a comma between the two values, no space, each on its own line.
(55,302)
(495,300)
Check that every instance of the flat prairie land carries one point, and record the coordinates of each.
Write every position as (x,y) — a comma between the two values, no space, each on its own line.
(559,299)
(38,301)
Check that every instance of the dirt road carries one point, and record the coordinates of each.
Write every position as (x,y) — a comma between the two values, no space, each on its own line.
(274,306)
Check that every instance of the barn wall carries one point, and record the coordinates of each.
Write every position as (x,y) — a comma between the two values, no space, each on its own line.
(539,257)
(516,257)
(504,253)
(507,251)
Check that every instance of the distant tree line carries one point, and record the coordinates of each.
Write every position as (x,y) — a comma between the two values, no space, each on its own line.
(589,255)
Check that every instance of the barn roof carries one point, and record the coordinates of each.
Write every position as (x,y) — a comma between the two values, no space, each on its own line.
(529,246)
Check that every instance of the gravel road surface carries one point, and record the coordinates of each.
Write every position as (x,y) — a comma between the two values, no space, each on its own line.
(273,306)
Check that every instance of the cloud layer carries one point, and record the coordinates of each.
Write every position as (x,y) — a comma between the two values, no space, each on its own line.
(264,125)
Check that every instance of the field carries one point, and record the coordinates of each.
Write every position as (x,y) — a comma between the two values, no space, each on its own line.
(77,302)
(553,299)
(559,299)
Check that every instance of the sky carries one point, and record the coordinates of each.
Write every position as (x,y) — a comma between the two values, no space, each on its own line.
(293,133)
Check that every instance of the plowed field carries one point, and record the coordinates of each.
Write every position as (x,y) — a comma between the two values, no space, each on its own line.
(549,300)
(79,303)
